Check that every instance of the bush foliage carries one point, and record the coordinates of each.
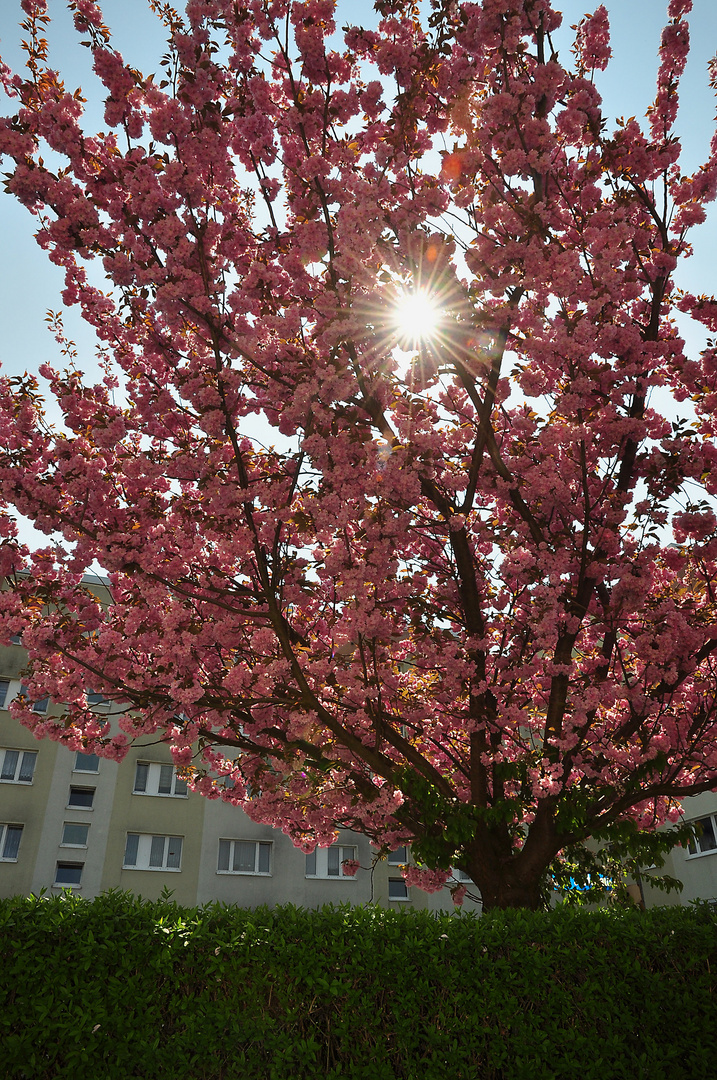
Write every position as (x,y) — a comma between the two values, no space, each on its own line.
(118,987)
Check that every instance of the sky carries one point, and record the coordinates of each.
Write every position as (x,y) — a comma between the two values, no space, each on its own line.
(30,285)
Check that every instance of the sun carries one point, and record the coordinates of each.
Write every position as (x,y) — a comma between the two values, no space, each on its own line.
(417,316)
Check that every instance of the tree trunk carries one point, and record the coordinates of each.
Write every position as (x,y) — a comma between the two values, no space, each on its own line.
(511,880)
(499,891)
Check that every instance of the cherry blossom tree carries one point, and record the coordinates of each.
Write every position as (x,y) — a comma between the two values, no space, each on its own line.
(448,583)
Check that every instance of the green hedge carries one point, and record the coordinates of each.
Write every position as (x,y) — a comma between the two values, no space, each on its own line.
(119,988)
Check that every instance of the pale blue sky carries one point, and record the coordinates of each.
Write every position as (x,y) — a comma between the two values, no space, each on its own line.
(29,284)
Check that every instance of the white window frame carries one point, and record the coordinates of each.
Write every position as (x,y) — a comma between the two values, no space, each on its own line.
(79,754)
(5,840)
(77,806)
(147,848)
(80,825)
(40,706)
(14,688)
(229,856)
(399,857)
(405,895)
(321,864)
(68,884)
(158,774)
(22,754)
(697,853)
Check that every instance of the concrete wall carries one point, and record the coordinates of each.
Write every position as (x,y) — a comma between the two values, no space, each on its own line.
(42,809)
(697,872)
(117,809)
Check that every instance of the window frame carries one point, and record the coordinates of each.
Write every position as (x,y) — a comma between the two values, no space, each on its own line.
(144,852)
(89,772)
(100,702)
(68,865)
(321,856)
(79,806)
(79,825)
(154,780)
(40,707)
(398,881)
(231,859)
(22,754)
(697,853)
(16,826)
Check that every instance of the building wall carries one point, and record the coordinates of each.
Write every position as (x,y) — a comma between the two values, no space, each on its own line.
(697,871)
(43,809)
(20,805)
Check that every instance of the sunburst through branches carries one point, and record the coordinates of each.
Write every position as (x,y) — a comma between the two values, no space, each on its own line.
(417,317)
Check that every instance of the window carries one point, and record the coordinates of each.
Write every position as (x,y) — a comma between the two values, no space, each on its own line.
(39,706)
(97,701)
(68,874)
(151,778)
(327,862)
(81,798)
(397,889)
(706,839)
(9,692)
(144,852)
(86,762)
(16,639)
(244,857)
(399,857)
(9,842)
(17,766)
(74,834)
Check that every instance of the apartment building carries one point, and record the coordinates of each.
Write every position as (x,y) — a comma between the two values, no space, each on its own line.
(696,866)
(71,820)
(76,821)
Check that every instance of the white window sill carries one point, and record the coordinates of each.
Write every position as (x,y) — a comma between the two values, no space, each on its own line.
(160,795)
(242,873)
(332,877)
(155,869)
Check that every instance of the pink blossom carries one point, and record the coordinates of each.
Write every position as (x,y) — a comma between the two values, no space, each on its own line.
(425,595)
(593,40)
(34,8)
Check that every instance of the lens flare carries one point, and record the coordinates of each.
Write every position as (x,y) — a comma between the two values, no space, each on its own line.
(417,316)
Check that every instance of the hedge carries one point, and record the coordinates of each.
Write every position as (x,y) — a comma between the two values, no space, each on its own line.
(118,987)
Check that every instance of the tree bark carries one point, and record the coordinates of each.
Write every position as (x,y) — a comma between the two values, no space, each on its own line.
(501,891)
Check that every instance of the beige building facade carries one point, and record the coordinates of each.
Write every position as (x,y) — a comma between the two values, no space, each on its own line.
(696,866)
(79,822)
(76,821)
